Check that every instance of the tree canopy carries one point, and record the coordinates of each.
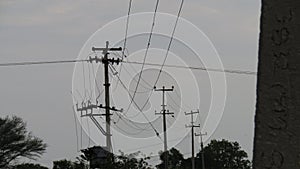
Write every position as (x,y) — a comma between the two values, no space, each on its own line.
(221,154)
(66,164)
(16,142)
(122,161)
(175,159)
(28,166)
(224,155)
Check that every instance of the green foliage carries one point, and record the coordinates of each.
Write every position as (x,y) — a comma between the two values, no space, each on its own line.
(130,161)
(66,164)
(29,166)
(122,161)
(175,159)
(16,142)
(218,155)
(62,164)
(224,155)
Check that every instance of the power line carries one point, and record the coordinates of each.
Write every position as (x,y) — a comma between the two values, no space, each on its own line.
(126,28)
(131,62)
(197,68)
(170,42)
(169,46)
(130,133)
(145,56)
(125,36)
(40,62)
(148,87)
(124,86)
(76,130)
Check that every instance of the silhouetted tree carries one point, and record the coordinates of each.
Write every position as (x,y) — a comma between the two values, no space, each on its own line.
(62,164)
(224,155)
(16,142)
(131,161)
(175,159)
(218,155)
(28,166)
(67,164)
(122,161)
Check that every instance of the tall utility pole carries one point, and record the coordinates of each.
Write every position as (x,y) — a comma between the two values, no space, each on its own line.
(164,112)
(106,61)
(202,151)
(89,106)
(192,126)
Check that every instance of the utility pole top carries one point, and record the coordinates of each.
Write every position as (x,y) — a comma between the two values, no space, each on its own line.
(106,49)
(164,89)
(192,112)
(201,134)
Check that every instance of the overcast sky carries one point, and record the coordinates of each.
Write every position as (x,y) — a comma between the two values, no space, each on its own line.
(33,30)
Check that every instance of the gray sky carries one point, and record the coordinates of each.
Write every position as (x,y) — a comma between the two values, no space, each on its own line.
(33,30)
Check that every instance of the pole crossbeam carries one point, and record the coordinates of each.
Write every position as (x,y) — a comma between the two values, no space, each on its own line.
(192,126)
(89,107)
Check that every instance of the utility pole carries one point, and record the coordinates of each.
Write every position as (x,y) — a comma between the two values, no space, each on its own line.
(164,112)
(105,61)
(202,151)
(192,126)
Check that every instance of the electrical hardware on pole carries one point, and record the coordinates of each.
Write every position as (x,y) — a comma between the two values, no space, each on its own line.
(89,106)
(202,151)
(192,126)
(164,112)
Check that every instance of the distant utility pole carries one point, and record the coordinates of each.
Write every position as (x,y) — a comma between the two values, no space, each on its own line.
(164,112)
(202,151)
(105,61)
(192,126)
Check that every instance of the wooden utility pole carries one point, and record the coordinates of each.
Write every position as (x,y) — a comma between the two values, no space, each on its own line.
(89,106)
(202,151)
(192,126)
(106,61)
(164,112)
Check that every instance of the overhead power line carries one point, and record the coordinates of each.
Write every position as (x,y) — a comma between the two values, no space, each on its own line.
(141,111)
(40,62)
(168,49)
(171,40)
(126,28)
(145,56)
(130,62)
(196,68)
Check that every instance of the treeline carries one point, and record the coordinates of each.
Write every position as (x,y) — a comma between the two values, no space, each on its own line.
(16,142)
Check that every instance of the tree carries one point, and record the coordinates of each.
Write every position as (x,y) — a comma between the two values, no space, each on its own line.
(218,155)
(131,162)
(62,164)
(29,166)
(112,161)
(66,164)
(16,142)
(175,159)
(224,155)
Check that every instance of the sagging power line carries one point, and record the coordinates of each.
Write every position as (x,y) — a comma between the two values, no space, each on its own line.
(245,72)
(145,56)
